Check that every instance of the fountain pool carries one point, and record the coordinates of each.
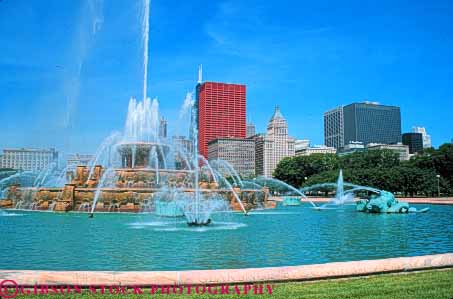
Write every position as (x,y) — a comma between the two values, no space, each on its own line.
(279,237)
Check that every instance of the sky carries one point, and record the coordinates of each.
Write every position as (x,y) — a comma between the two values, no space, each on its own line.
(69,68)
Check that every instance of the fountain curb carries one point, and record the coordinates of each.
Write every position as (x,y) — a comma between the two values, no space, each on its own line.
(230,276)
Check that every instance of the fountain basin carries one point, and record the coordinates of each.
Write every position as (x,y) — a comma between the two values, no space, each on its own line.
(230,241)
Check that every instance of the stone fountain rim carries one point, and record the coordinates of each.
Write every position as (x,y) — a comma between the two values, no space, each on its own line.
(313,272)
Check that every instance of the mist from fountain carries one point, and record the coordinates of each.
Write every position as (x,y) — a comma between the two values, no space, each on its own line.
(222,164)
(195,216)
(60,179)
(26,202)
(31,181)
(113,207)
(142,122)
(124,151)
(145,36)
(251,185)
(52,206)
(283,184)
(208,165)
(109,177)
(147,206)
(340,185)
(48,176)
(44,174)
(24,174)
(199,212)
(341,197)
(10,180)
(104,152)
(236,196)
(85,207)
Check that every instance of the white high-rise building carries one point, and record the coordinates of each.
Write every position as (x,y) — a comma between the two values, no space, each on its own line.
(274,146)
(426,138)
(28,159)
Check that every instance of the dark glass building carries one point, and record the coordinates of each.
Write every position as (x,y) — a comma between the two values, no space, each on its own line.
(372,123)
(414,141)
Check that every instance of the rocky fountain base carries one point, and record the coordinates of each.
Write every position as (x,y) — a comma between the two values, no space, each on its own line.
(136,190)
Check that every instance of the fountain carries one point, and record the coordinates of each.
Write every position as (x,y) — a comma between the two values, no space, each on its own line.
(376,201)
(264,180)
(141,172)
(138,170)
(385,202)
(340,196)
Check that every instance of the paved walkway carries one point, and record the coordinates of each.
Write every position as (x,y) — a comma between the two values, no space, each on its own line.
(420,200)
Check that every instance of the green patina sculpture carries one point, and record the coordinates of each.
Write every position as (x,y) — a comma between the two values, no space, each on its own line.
(385,202)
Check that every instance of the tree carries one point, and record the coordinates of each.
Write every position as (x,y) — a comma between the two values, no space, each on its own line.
(443,161)
(294,170)
(370,159)
(380,169)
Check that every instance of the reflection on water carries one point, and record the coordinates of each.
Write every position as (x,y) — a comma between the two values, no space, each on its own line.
(285,236)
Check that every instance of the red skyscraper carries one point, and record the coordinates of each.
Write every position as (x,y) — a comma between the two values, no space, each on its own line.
(221,112)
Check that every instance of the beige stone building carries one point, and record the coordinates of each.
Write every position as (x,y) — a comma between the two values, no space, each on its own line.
(271,148)
(239,152)
(320,149)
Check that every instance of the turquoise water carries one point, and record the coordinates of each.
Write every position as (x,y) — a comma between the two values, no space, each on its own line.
(280,237)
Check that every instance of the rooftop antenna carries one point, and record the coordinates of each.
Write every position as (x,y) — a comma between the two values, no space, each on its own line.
(200,73)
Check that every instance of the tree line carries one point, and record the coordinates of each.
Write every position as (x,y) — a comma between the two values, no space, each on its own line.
(380,169)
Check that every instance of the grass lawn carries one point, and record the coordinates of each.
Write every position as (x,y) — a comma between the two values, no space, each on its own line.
(427,284)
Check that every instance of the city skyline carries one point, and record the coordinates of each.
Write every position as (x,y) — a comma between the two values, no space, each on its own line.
(75,96)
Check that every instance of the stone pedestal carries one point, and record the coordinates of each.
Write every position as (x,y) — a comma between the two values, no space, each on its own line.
(44,205)
(6,204)
(129,207)
(270,204)
(81,176)
(62,206)
(66,202)
(97,173)
(91,183)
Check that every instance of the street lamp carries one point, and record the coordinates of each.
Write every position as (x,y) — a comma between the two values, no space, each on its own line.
(438,185)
